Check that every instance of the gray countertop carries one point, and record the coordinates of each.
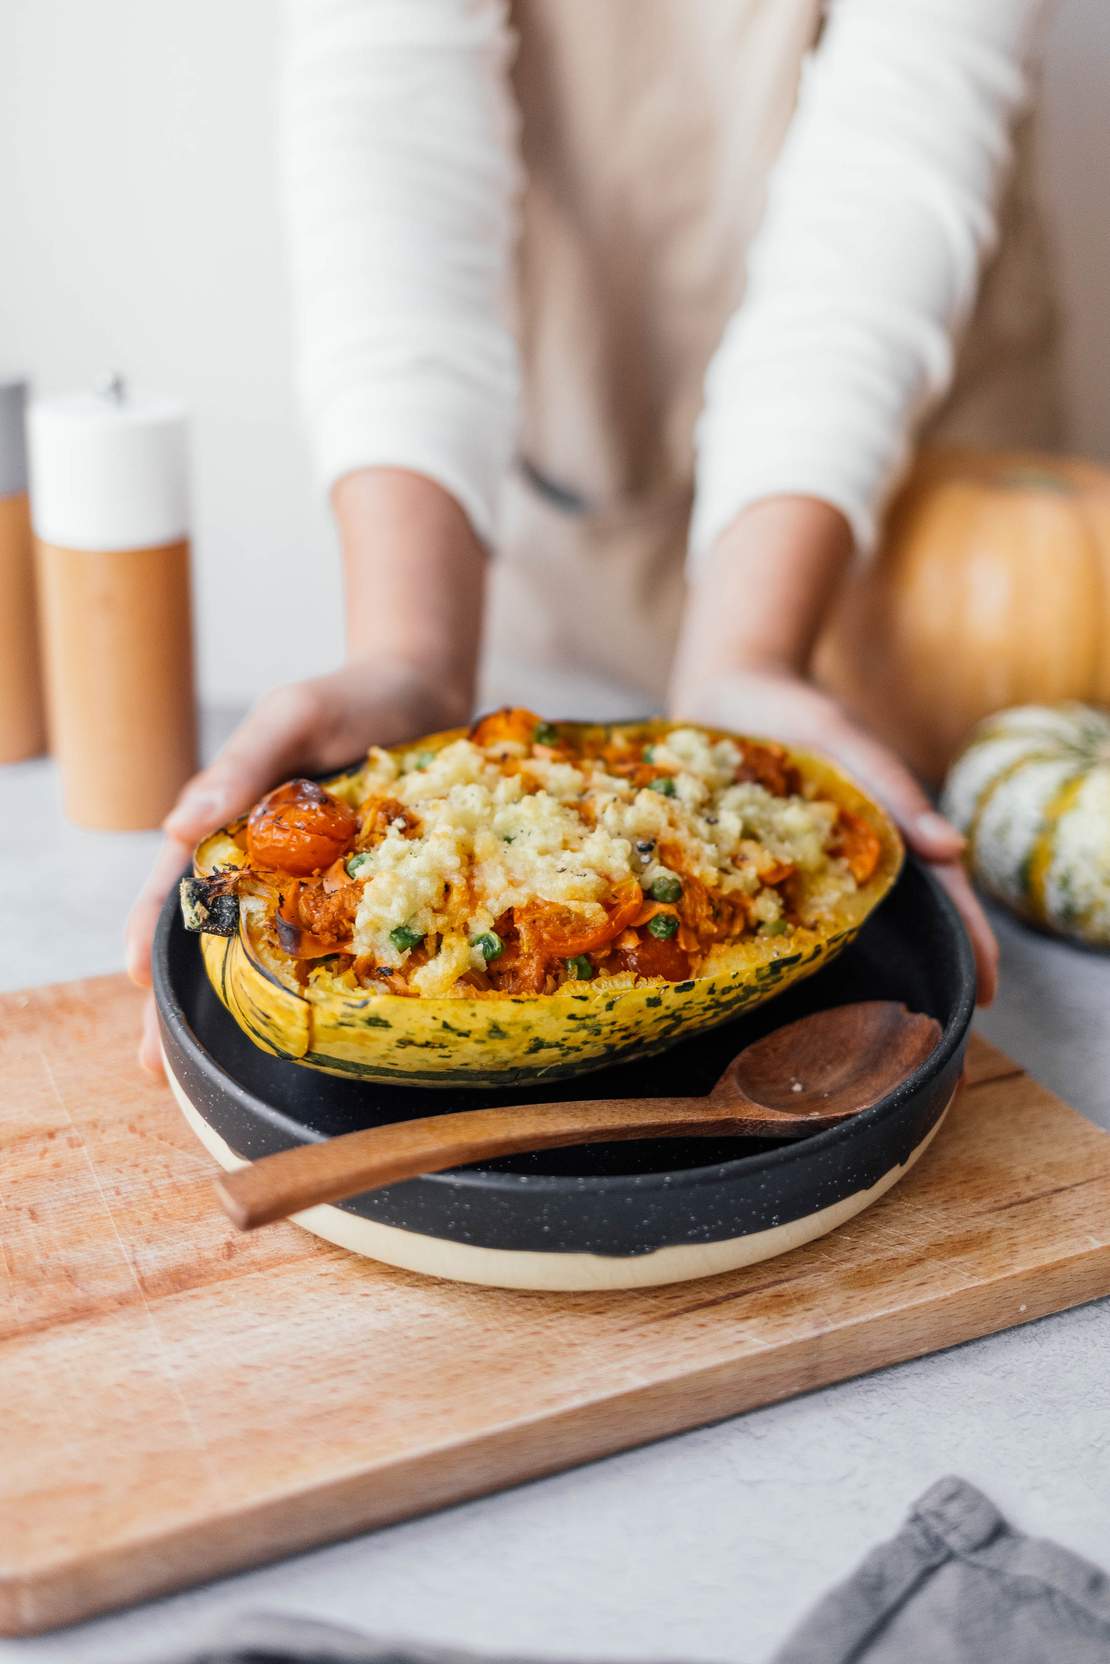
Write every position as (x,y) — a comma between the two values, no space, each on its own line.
(709,1545)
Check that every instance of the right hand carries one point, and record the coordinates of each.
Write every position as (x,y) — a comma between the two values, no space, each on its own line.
(766,699)
(307,727)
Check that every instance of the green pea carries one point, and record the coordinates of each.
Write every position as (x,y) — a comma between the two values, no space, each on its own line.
(355,863)
(775,927)
(663,925)
(423,758)
(666,886)
(664,786)
(579,968)
(403,938)
(649,753)
(546,734)
(489,944)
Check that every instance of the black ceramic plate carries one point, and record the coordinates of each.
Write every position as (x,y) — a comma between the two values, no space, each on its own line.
(616,1215)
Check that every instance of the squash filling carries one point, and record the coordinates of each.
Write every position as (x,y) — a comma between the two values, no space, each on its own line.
(524,857)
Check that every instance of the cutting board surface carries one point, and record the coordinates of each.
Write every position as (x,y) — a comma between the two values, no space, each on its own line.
(181,1401)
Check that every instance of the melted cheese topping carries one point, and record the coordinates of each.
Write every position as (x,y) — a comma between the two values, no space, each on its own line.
(503,826)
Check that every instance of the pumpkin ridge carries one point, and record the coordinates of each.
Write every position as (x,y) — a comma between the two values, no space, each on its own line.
(1040,857)
(1042,815)
(1002,778)
(1099,575)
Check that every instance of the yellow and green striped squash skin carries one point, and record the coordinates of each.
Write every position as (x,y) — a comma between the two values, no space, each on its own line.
(1031,793)
(518,1040)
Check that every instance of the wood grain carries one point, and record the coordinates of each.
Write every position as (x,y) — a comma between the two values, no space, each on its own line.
(181,1400)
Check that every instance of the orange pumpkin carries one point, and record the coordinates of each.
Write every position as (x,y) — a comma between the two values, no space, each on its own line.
(992,588)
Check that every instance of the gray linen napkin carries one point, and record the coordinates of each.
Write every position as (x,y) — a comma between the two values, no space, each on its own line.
(956,1586)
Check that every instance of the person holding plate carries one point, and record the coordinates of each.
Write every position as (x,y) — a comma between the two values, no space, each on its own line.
(618,323)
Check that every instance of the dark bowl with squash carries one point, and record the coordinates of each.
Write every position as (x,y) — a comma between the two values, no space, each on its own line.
(609,1216)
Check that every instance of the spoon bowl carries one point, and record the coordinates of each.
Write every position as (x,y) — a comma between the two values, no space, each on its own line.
(831,1064)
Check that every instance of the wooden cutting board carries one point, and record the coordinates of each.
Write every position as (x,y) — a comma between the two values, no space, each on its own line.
(181,1401)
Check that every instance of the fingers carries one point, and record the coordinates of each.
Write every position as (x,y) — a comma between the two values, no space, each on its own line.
(274,737)
(142,921)
(280,734)
(983,941)
(927,833)
(933,837)
(781,703)
(308,725)
(930,836)
(150,1044)
(777,702)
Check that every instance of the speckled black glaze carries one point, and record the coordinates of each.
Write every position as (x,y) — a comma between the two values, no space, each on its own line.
(617,1199)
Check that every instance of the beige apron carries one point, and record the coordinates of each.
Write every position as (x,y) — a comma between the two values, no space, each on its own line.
(648,130)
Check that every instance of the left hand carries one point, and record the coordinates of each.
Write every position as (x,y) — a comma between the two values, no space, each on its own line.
(779,703)
(306,727)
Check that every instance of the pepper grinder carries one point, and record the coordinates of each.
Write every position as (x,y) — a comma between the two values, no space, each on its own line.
(22,719)
(109,503)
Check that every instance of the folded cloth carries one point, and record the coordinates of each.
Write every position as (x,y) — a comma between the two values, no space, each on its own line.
(956,1586)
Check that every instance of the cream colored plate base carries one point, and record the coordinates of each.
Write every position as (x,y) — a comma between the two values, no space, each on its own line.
(463,1262)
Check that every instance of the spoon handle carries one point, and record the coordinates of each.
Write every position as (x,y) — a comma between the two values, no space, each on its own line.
(281,1184)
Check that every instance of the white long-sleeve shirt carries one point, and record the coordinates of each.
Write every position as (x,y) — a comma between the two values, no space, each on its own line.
(402,182)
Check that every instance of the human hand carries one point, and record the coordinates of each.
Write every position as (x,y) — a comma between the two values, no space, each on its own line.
(753,615)
(307,727)
(778,702)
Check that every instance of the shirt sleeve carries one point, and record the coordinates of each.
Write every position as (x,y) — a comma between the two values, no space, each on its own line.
(880,213)
(398,138)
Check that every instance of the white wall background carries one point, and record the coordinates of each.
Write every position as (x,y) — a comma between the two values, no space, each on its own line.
(139,230)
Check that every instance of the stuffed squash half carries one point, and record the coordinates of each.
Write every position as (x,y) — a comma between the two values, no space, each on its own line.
(527,899)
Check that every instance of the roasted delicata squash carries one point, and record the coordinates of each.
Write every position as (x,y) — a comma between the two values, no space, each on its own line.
(527,899)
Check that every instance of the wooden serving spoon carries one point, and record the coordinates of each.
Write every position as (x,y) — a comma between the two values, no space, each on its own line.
(797,1080)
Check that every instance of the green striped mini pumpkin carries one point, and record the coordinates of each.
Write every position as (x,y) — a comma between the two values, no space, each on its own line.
(1031,793)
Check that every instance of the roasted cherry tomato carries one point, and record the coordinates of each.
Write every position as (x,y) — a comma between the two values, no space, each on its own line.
(858,843)
(564,933)
(653,956)
(768,766)
(511,723)
(299,828)
(560,932)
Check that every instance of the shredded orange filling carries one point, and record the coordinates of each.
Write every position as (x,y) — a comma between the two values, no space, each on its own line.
(308,851)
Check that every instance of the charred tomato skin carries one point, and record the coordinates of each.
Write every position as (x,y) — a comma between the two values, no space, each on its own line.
(655,957)
(299,828)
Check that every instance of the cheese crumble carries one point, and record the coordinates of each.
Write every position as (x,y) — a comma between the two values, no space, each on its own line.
(501,828)
(528,856)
